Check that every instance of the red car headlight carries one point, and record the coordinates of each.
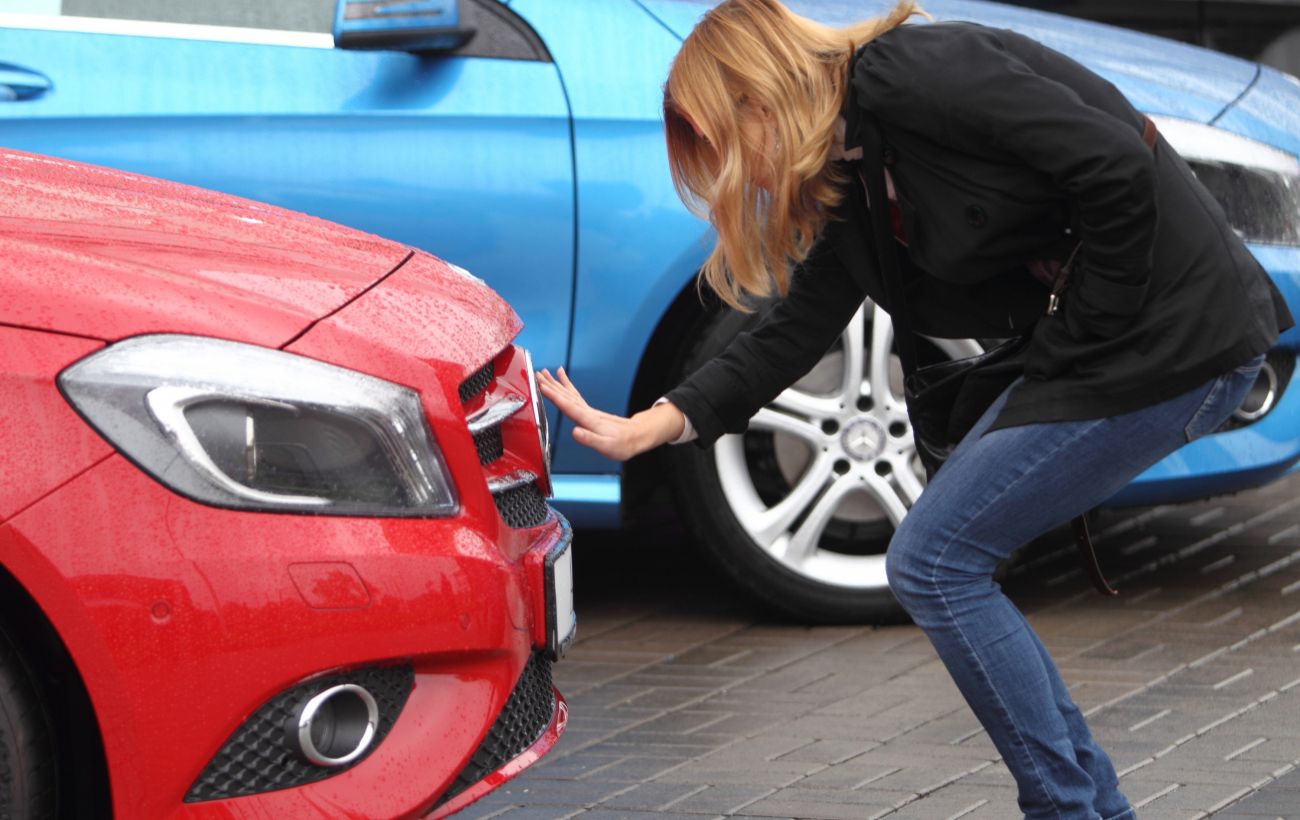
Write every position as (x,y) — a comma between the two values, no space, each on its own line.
(247,427)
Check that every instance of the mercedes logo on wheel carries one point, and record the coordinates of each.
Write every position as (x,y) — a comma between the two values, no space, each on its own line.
(863,439)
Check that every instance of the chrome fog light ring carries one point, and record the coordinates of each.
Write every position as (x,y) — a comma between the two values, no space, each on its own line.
(336,726)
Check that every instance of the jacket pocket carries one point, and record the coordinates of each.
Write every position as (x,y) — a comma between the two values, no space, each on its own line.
(967,219)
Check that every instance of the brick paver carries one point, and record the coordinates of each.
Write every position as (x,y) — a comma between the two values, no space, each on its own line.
(687,701)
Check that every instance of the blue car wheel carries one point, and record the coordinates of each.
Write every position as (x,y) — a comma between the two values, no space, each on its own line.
(799,509)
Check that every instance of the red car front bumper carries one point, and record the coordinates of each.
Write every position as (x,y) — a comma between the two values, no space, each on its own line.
(185,619)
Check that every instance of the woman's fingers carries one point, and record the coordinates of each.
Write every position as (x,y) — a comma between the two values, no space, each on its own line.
(566,392)
(575,409)
(610,435)
(551,387)
(571,404)
(565,387)
(549,382)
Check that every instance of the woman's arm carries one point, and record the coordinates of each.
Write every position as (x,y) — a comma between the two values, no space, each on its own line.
(758,364)
(755,367)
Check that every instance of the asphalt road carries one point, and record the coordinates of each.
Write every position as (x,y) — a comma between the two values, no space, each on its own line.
(689,701)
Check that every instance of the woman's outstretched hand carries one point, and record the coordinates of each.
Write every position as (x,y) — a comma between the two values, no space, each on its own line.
(610,435)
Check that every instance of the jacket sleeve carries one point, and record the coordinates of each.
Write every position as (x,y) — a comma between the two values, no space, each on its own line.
(974,90)
(758,364)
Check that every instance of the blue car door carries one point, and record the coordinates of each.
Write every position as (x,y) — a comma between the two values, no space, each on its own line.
(466,155)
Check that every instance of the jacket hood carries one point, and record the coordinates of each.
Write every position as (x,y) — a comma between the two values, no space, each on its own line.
(1158,76)
(101,253)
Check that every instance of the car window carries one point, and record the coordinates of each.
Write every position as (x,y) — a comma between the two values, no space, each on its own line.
(288,15)
(499,32)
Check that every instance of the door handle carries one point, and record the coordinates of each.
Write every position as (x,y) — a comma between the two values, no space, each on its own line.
(18,84)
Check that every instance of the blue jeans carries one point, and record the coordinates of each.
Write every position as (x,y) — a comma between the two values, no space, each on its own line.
(998,491)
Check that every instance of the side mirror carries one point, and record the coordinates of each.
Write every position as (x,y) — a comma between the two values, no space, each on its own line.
(400,25)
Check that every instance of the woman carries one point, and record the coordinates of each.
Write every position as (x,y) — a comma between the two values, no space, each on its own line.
(1002,156)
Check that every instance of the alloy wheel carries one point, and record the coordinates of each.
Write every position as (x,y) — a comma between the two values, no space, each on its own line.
(827,471)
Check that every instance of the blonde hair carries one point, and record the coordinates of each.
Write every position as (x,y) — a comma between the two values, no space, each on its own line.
(756,58)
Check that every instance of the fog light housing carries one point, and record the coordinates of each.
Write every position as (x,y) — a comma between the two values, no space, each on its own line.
(263,754)
(336,726)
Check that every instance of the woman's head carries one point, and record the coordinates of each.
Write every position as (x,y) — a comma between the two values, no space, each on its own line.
(749,109)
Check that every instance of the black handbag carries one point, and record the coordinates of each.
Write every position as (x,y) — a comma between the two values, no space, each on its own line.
(941,398)
(946,399)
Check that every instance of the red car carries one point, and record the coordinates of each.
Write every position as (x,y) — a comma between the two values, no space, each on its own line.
(275,540)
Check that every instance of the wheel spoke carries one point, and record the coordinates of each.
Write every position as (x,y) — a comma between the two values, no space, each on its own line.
(908,481)
(887,495)
(767,419)
(803,541)
(853,339)
(882,338)
(772,523)
(806,404)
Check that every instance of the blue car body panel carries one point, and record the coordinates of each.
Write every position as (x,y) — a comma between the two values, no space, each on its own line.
(1153,73)
(549,179)
(1268,111)
(637,245)
(466,157)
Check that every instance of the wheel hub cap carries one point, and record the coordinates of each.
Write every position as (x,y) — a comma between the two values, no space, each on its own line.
(863,439)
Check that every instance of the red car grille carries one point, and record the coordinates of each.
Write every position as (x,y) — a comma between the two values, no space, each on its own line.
(522,506)
(499,413)
(478,382)
(489,446)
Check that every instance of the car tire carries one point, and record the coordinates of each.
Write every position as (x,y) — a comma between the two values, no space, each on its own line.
(27,770)
(799,509)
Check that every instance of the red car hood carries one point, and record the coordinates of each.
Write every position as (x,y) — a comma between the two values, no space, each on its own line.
(106,254)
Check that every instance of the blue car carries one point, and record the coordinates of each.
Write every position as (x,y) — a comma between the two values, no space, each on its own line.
(522,140)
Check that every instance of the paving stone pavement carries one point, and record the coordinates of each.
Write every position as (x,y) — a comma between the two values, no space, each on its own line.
(688,702)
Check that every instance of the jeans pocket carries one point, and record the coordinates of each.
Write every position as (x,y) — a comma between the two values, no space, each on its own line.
(1225,395)
(1210,414)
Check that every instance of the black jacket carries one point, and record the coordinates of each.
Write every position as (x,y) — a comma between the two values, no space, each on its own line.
(1003,151)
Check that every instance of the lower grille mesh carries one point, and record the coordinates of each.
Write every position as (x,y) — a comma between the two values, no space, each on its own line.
(477,383)
(489,445)
(523,720)
(522,506)
(257,758)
